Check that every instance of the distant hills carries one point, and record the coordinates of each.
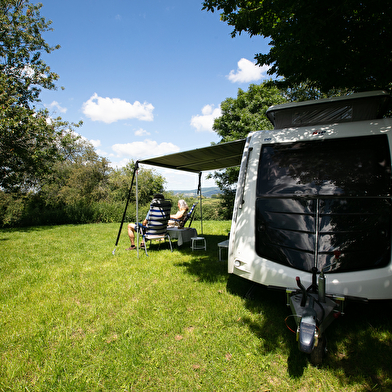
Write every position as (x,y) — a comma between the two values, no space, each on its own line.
(206,192)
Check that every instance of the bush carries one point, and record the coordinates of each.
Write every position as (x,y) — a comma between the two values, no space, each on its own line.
(11,209)
(30,210)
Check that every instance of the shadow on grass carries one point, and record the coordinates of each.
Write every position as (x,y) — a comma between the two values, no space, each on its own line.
(271,305)
(7,233)
(204,264)
(359,343)
(31,229)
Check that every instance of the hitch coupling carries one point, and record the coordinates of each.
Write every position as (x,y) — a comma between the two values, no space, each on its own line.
(307,335)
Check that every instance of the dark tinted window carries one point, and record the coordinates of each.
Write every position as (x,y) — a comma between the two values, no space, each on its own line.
(358,166)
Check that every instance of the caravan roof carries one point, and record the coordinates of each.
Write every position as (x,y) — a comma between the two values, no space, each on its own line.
(355,107)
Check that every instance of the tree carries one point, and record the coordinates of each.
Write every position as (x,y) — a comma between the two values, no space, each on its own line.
(333,44)
(149,183)
(82,178)
(246,113)
(240,116)
(29,142)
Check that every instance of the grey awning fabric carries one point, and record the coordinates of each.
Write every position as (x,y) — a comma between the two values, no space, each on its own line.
(214,157)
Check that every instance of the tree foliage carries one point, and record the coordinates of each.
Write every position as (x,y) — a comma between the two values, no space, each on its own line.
(240,116)
(29,143)
(82,188)
(81,178)
(21,48)
(331,44)
(149,183)
(246,113)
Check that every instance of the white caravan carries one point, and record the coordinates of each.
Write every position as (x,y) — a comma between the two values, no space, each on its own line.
(317,196)
(313,212)
(313,208)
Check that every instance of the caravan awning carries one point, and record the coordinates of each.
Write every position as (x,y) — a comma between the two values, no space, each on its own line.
(218,156)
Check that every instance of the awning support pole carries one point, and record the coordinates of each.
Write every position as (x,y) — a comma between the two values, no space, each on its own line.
(126,206)
(201,207)
(137,214)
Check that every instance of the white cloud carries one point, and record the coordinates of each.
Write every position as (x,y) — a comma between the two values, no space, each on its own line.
(205,121)
(27,71)
(176,180)
(110,110)
(95,143)
(142,132)
(57,106)
(120,164)
(248,72)
(145,149)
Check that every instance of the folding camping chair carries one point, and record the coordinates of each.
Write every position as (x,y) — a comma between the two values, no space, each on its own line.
(156,228)
(187,217)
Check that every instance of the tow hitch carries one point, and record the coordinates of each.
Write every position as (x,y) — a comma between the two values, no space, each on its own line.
(307,330)
(313,312)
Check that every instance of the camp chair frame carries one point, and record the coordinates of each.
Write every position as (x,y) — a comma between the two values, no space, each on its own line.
(153,237)
(188,217)
(156,228)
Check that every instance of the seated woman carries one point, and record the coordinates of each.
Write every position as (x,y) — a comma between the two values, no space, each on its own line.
(176,219)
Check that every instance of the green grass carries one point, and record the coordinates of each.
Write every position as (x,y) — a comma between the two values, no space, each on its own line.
(73,317)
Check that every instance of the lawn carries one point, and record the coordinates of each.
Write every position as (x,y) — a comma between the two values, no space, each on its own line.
(75,317)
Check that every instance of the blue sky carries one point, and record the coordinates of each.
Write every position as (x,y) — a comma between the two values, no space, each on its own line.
(146,77)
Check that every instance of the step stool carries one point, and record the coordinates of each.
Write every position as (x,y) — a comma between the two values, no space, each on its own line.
(223,245)
(198,243)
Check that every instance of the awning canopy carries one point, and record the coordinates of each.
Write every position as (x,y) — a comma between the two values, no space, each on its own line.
(218,156)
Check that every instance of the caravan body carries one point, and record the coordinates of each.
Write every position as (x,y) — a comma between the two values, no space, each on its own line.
(315,193)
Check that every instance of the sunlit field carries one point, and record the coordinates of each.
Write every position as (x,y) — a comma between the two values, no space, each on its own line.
(75,317)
